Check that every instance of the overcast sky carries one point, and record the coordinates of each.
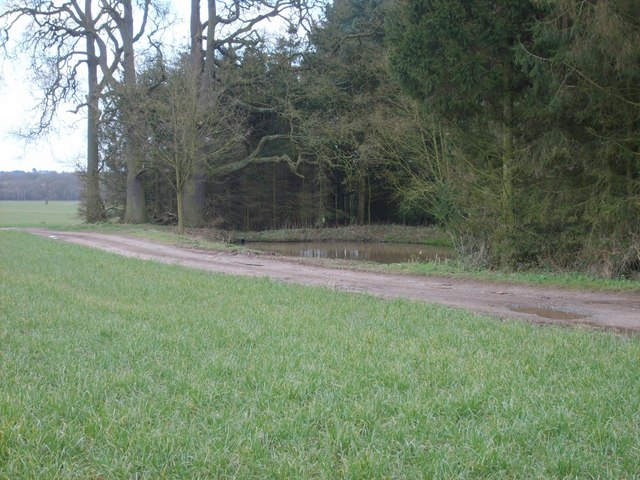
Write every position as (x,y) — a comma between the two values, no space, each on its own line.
(65,146)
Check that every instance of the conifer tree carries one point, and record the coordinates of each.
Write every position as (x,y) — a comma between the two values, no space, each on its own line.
(459,58)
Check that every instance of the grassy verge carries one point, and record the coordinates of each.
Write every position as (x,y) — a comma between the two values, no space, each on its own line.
(364,233)
(569,280)
(118,368)
(205,239)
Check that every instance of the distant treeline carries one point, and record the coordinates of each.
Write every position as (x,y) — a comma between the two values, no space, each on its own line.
(37,185)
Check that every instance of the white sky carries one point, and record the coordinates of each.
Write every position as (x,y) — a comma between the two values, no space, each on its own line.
(65,145)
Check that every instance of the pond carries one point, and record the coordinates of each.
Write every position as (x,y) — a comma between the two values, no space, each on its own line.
(372,252)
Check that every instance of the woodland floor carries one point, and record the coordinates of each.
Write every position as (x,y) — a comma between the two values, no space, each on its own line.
(607,310)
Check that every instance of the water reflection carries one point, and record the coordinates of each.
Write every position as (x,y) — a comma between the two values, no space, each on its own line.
(373,252)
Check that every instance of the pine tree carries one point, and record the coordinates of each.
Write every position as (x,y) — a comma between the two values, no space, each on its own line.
(459,58)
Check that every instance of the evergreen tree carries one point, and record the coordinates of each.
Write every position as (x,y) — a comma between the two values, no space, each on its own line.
(459,58)
(586,73)
(348,86)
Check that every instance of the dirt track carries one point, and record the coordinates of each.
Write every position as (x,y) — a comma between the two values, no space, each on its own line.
(618,311)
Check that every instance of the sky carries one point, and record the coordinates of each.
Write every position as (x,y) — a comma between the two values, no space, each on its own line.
(64,146)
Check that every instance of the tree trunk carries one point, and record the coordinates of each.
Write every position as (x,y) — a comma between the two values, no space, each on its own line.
(335,205)
(180,201)
(362,199)
(369,196)
(135,209)
(94,208)
(209,59)
(194,190)
(180,212)
(508,219)
(194,198)
(629,164)
(245,196)
(195,47)
(320,212)
(273,197)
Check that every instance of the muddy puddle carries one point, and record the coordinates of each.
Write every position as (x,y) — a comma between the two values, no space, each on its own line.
(548,313)
(372,252)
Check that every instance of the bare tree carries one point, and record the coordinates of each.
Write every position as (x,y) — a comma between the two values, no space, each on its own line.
(230,27)
(178,141)
(94,210)
(60,38)
(187,138)
(124,38)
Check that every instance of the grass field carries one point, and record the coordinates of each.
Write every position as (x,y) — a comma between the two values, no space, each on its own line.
(38,214)
(118,368)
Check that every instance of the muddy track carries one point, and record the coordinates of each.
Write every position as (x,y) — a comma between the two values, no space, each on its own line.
(617,311)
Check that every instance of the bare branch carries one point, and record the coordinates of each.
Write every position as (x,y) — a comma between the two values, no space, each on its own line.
(229,168)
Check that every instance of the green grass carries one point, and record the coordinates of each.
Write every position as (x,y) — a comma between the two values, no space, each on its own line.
(569,280)
(118,368)
(38,214)
(355,233)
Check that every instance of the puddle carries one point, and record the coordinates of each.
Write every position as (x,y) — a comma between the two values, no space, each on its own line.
(372,252)
(548,313)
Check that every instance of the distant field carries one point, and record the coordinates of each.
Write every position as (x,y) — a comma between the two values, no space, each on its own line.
(32,214)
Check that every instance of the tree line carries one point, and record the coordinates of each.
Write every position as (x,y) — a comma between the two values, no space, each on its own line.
(513,123)
(39,185)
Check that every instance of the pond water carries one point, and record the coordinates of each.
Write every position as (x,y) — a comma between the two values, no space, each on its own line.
(372,252)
